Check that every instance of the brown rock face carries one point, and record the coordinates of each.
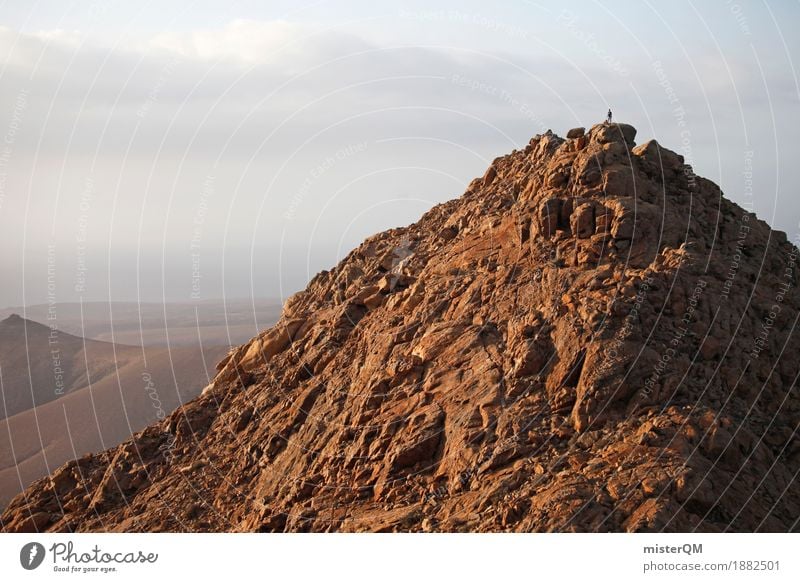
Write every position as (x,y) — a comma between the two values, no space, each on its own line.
(590,339)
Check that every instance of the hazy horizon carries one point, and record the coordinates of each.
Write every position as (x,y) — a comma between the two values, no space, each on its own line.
(192,151)
(200,302)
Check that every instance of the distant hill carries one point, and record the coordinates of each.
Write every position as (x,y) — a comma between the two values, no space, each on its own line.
(39,365)
(218,322)
(86,397)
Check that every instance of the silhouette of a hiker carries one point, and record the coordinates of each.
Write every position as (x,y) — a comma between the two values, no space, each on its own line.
(608,118)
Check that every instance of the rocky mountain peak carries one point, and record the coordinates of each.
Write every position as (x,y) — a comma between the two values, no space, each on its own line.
(576,343)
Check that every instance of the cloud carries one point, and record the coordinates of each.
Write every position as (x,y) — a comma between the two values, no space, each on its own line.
(285,45)
(262,104)
(60,36)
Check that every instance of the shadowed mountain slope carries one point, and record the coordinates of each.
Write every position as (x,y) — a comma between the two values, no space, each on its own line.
(108,391)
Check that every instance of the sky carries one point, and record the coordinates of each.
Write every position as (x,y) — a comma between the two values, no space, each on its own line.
(183,151)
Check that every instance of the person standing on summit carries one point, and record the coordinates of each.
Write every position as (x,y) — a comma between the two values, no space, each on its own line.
(608,117)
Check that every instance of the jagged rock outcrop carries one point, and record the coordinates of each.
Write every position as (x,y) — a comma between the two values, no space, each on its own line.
(591,338)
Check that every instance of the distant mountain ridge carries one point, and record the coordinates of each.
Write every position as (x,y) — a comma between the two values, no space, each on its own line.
(40,364)
(217,322)
(64,396)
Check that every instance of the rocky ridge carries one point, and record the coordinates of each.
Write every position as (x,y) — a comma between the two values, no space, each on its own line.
(591,338)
